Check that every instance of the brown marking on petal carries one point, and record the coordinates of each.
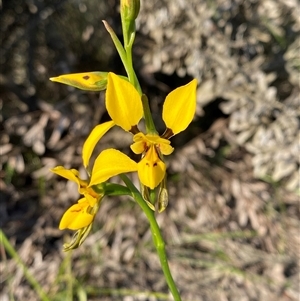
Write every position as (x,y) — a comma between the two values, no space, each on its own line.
(157,148)
(167,134)
(86,77)
(155,164)
(134,130)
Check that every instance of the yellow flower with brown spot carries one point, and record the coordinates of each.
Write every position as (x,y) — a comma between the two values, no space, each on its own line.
(124,105)
(109,163)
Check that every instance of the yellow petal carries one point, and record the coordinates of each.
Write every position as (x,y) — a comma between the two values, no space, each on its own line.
(138,147)
(151,169)
(70,174)
(76,217)
(140,143)
(162,144)
(109,163)
(166,149)
(91,200)
(90,143)
(179,107)
(123,102)
(89,81)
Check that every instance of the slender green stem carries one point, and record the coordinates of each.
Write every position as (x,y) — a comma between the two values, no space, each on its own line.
(134,80)
(12,252)
(156,235)
(120,49)
(128,43)
(150,127)
(125,55)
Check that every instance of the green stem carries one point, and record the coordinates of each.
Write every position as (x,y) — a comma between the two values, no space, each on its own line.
(128,43)
(125,55)
(150,127)
(128,29)
(156,235)
(12,252)
(133,77)
(120,49)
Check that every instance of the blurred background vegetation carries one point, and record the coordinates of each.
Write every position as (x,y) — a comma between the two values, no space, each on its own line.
(232,224)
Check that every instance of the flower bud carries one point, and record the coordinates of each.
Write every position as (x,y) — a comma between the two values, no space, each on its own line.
(146,196)
(163,196)
(78,238)
(89,81)
(130,9)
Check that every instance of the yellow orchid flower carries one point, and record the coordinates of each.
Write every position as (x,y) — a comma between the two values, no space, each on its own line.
(124,106)
(79,215)
(109,163)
